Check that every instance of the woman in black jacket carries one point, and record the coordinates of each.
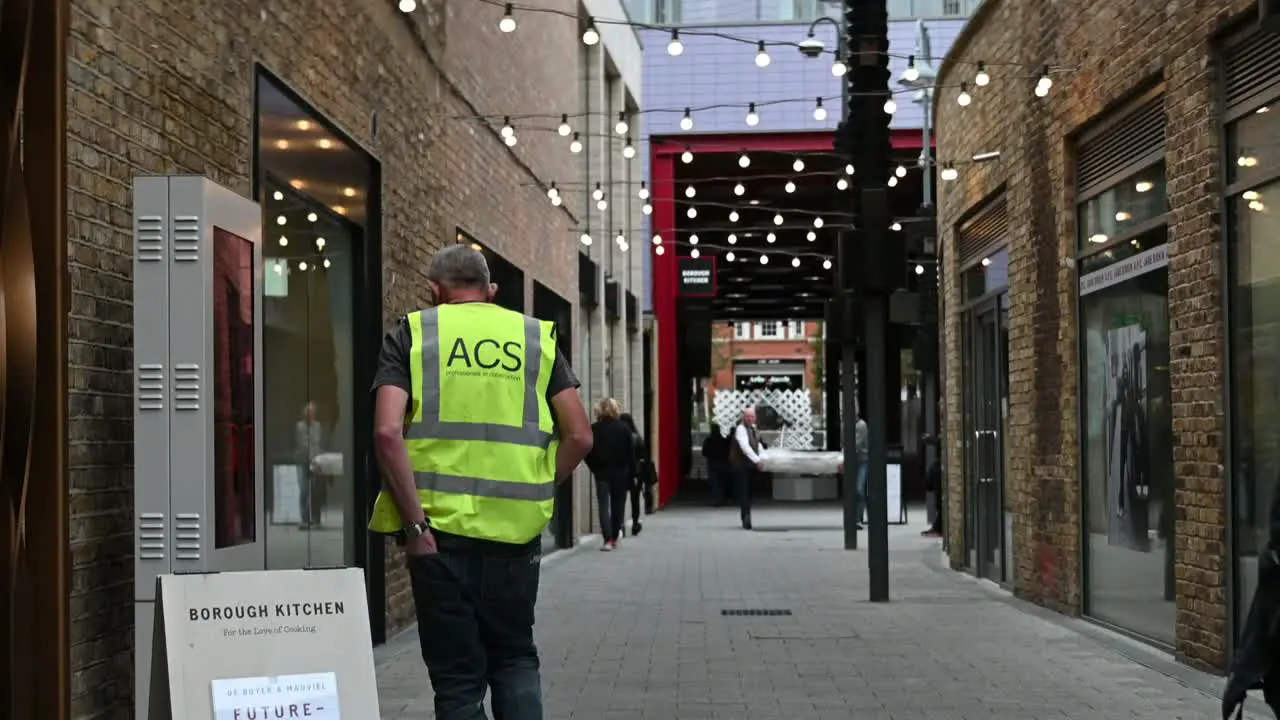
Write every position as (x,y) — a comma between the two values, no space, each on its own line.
(640,472)
(612,461)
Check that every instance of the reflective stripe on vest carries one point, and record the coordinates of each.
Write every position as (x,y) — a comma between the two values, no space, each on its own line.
(426,423)
(479,487)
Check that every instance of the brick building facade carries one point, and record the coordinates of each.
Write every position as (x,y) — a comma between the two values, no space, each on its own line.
(1123,74)
(751,353)
(172,88)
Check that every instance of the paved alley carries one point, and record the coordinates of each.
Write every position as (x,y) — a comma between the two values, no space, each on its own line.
(639,634)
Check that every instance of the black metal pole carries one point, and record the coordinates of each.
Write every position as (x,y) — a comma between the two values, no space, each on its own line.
(849,413)
(877,418)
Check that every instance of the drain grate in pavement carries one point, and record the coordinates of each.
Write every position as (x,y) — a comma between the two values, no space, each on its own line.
(754,612)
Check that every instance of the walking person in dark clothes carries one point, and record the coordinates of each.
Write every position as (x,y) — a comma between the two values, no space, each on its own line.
(640,472)
(612,461)
(716,451)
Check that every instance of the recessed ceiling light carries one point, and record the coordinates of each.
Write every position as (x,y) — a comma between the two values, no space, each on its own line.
(303,125)
(325,143)
(339,209)
(282,144)
(297,184)
(349,192)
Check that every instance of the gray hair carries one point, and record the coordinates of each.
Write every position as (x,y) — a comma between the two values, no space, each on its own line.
(459,266)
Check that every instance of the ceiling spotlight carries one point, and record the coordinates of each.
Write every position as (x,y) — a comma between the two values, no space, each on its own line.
(507,23)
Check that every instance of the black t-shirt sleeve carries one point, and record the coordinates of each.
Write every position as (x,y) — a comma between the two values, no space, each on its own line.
(393,359)
(562,377)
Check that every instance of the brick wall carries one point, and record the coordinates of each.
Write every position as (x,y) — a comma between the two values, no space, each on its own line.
(726,348)
(1113,48)
(166,87)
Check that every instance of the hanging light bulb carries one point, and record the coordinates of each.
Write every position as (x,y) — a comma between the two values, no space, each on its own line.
(839,67)
(826,264)
(893,181)
(691,213)
(694,253)
(762,55)
(919,269)
(795,262)
(819,112)
(817,222)
(620,238)
(733,239)
(508,23)
(764,259)
(690,191)
(901,170)
(896,227)
(798,165)
(733,216)
(890,107)
(302,265)
(949,172)
(585,239)
(281,220)
(556,201)
(644,191)
(964,98)
(738,190)
(552,191)
(277,195)
(730,256)
(693,239)
(598,193)
(590,36)
(564,128)
(982,79)
(647,209)
(510,140)
(602,205)
(752,118)
(622,127)
(686,122)
(507,131)
(771,238)
(675,47)
(657,239)
(777,219)
(686,157)
(408,6)
(312,217)
(842,184)
(848,169)
(790,187)
(811,236)
(628,150)
(624,246)
(1044,83)
(658,250)
(911,74)
(575,145)
(744,161)
(284,241)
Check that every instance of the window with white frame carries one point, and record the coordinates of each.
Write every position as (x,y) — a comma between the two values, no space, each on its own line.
(742,331)
(769,330)
(797,330)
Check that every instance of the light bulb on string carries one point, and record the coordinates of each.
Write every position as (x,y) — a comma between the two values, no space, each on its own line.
(1044,83)
(284,241)
(911,74)
(771,238)
(733,216)
(752,118)
(963,99)
(949,172)
(842,184)
(620,238)
(890,106)
(647,209)
(777,219)
(762,55)
(826,264)
(510,140)
(564,128)
(585,239)
(686,122)
(690,192)
(277,195)
(694,253)
(901,170)
(919,269)
(408,6)
(798,165)
(795,262)
(744,161)
(790,187)
(575,145)
(598,193)
(657,239)
(590,36)
(839,67)
(556,201)
(730,256)
(693,239)
(644,191)
(658,250)
(508,23)
(819,112)
(811,236)
(302,265)
(893,181)
(848,169)
(552,191)
(817,222)
(621,127)
(507,131)
(628,150)
(896,227)
(312,217)
(625,246)
(733,239)
(764,259)
(691,213)
(602,205)
(675,47)
(739,189)
(281,220)
(982,79)
(686,157)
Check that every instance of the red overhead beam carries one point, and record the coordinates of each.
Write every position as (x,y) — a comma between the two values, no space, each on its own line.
(909,139)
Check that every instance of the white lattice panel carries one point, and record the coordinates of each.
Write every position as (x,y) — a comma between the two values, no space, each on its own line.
(793,406)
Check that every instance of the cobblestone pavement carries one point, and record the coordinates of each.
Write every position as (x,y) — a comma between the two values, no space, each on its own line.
(638,634)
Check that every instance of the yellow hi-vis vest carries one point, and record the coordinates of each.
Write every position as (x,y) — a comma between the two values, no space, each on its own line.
(479,431)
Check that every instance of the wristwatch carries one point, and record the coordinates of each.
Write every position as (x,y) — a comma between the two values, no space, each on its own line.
(416,530)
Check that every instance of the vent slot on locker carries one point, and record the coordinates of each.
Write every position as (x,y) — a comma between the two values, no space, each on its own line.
(150,386)
(186,386)
(150,243)
(186,536)
(151,532)
(186,238)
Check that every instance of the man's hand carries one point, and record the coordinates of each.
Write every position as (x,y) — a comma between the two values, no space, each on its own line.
(424,544)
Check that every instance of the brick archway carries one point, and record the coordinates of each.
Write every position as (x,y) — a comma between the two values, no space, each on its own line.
(34,561)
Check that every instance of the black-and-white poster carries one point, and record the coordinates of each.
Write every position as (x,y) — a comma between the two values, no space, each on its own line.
(1127,454)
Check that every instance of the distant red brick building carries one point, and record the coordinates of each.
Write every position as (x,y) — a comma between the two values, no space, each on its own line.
(785,355)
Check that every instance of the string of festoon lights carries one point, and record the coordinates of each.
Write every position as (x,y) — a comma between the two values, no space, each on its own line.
(841,57)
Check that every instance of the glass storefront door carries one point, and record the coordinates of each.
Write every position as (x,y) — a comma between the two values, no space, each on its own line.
(985,397)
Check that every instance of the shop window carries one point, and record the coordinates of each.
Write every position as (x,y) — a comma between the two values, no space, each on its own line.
(769,330)
(1254,234)
(316,190)
(1128,207)
(988,275)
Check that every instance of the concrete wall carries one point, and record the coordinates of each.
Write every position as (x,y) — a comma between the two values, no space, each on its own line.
(1112,49)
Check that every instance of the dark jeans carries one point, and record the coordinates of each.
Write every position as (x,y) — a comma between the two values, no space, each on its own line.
(742,476)
(611,501)
(860,492)
(634,492)
(475,603)
(718,476)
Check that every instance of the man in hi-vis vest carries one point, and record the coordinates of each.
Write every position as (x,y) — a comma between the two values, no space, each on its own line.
(477,418)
